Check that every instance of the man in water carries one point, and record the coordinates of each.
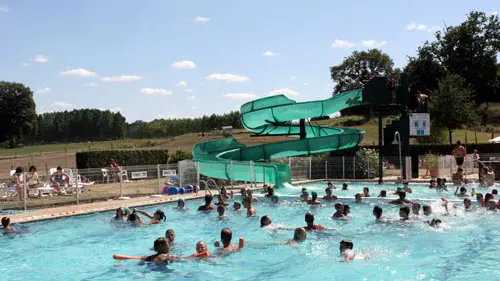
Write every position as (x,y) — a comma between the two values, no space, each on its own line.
(226,235)
(265,221)
(314,197)
(404,213)
(339,207)
(208,204)
(309,218)
(345,248)
(459,153)
(377,212)
(402,199)
(329,195)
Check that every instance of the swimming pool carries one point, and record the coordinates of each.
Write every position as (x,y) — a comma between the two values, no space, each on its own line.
(81,248)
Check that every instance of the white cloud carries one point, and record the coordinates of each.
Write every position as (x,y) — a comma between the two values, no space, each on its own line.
(91,84)
(181,84)
(202,19)
(240,96)
(79,72)
(4,9)
(41,59)
(114,109)
(373,43)
(62,104)
(414,26)
(194,107)
(188,90)
(25,64)
(121,78)
(293,78)
(269,54)
(306,84)
(43,90)
(227,77)
(191,98)
(284,91)
(168,116)
(185,64)
(494,13)
(338,43)
(157,92)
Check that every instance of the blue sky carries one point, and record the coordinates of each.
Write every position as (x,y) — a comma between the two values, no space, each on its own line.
(164,59)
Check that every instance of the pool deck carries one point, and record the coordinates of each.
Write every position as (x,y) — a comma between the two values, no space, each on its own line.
(103,206)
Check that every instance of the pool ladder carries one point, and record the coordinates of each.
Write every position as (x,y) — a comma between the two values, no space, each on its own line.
(207,185)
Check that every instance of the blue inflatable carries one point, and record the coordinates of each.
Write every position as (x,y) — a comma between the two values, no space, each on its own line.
(182,190)
(188,188)
(172,190)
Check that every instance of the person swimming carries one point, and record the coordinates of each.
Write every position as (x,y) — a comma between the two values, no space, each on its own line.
(402,199)
(170,236)
(237,206)
(221,200)
(309,218)
(270,192)
(366,192)
(330,185)
(305,196)
(346,250)
(427,210)
(404,213)
(314,197)
(415,208)
(7,227)
(122,213)
(156,218)
(358,198)
(344,186)
(275,199)
(329,195)
(382,194)
(247,203)
(467,204)
(377,213)
(339,211)
(221,210)
(434,222)
(265,221)
(181,205)
(226,235)
(208,204)
(250,195)
(162,248)
(406,188)
(463,192)
(347,210)
(201,250)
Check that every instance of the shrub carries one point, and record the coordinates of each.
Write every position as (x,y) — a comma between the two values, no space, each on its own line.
(98,159)
(179,155)
(366,163)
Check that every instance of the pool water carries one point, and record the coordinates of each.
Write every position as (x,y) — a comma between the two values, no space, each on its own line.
(81,248)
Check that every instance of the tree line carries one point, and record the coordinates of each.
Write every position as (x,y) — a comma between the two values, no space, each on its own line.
(458,71)
(21,124)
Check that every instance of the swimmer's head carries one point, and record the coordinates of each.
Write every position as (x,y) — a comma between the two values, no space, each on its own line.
(237,205)
(494,192)
(309,218)
(133,217)
(467,203)
(201,247)
(427,210)
(225,236)
(305,195)
(479,196)
(208,199)
(377,212)
(328,191)
(492,206)
(314,195)
(463,190)
(170,235)
(300,234)
(415,208)
(247,202)
(344,186)
(330,184)
(5,222)
(265,221)
(159,215)
(358,198)
(383,194)
(249,192)
(488,197)
(366,190)
(270,191)
(221,210)
(345,245)
(220,197)
(339,207)
(435,222)
(120,213)
(243,191)
(404,212)
(347,209)
(181,203)
(275,199)
(402,195)
(399,189)
(161,246)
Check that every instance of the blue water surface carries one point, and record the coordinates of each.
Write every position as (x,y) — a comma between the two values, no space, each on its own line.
(81,248)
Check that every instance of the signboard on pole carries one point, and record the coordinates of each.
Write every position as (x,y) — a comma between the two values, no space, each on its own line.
(420,124)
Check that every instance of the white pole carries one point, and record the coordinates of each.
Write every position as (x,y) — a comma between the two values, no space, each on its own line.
(400,156)
(121,181)
(310,167)
(198,174)
(159,178)
(232,175)
(179,165)
(25,197)
(77,187)
(251,173)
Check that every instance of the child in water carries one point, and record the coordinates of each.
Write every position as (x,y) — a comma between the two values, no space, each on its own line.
(221,210)
(247,203)
(170,236)
(346,251)
(329,195)
(156,218)
(314,197)
(339,211)
(162,249)
(7,227)
(237,206)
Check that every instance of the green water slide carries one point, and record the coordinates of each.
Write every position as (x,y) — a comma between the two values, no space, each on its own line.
(273,116)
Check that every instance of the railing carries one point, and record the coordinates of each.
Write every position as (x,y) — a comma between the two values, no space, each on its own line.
(207,185)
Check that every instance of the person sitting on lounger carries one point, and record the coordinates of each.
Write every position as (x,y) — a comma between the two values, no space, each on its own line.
(59,179)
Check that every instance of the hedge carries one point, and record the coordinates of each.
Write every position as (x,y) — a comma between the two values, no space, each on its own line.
(99,159)
(444,149)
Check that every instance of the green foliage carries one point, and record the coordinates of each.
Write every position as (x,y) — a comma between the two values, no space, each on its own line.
(432,162)
(160,128)
(17,113)
(490,113)
(438,136)
(81,125)
(358,68)
(366,163)
(179,155)
(99,159)
(452,105)
(424,71)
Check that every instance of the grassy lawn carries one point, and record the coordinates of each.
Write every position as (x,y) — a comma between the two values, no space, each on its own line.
(52,155)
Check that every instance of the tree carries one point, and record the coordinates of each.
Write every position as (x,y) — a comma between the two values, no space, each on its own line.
(360,67)
(17,113)
(452,105)
(468,50)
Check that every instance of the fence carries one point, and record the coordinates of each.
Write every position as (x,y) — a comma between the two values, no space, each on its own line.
(89,185)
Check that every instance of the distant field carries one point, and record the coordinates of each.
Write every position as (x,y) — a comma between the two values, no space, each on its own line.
(52,155)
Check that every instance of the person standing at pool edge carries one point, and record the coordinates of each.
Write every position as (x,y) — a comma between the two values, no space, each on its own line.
(459,153)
